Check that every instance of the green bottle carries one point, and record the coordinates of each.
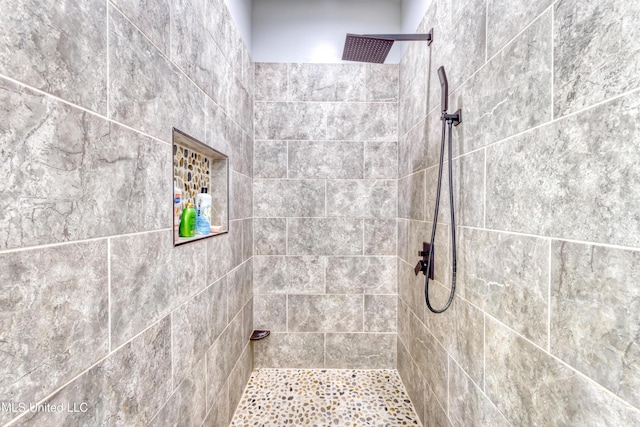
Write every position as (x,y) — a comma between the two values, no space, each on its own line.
(188,221)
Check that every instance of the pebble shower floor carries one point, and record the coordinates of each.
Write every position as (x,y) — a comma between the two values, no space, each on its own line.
(325,397)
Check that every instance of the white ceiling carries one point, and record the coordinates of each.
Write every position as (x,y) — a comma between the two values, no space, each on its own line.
(314,30)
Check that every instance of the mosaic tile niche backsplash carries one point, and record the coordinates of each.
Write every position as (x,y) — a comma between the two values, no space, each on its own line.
(192,172)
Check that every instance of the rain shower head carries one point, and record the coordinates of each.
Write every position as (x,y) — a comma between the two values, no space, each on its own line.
(444,89)
(375,47)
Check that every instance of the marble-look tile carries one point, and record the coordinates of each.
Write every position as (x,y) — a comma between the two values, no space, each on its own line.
(247,239)
(361,198)
(364,351)
(460,329)
(149,277)
(224,252)
(507,19)
(289,198)
(530,387)
(362,121)
(595,301)
(468,191)
(270,312)
(239,160)
(411,288)
(324,313)
(199,6)
(59,47)
(464,51)
(380,160)
(327,82)
(127,388)
(403,240)
(75,173)
(419,233)
(411,196)
(147,92)
(186,407)
(270,159)
(507,276)
(196,325)
(326,159)
(434,413)
(239,377)
(288,274)
(240,104)
(222,357)
(361,275)
(247,320)
(271,82)
(380,312)
(412,379)
(382,82)
(270,236)
(152,18)
(221,27)
(284,350)
(596,52)
(290,120)
(324,236)
(574,179)
(219,413)
(222,133)
(240,196)
(380,237)
(54,317)
(431,359)
(468,405)
(412,107)
(240,288)
(497,105)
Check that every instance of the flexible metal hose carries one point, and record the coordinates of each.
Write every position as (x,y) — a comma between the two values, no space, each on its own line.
(435,221)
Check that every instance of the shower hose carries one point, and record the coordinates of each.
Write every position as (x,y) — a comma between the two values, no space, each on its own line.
(445,121)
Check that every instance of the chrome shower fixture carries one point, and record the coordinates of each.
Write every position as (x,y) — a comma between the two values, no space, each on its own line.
(374,48)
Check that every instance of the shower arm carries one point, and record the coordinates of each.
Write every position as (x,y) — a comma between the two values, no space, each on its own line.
(404,37)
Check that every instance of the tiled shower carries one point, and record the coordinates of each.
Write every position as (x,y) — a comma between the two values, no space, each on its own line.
(332,186)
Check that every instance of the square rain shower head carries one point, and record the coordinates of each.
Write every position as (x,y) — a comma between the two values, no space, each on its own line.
(366,48)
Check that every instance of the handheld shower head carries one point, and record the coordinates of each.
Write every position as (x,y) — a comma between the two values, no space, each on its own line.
(444,89)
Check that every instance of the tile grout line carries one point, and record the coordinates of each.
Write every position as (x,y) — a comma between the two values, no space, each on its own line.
(561,239)
(109,292)
(484,216)
(81,108)
(79,241)
(563,363)
(552,60)
(108,51)
(549,301)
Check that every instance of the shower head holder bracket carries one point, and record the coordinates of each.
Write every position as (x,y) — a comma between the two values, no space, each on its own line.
(455,118)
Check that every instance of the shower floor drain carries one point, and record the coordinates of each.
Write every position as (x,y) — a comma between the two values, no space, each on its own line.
(325,397)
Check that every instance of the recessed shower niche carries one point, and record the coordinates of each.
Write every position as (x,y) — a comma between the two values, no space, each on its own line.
(200,190)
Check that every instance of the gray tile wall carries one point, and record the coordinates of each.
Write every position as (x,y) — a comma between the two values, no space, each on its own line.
(325,202)
(544,329)
(97,306)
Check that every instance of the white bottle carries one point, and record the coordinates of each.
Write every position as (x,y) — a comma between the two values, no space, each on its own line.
(203,205)
(177,209)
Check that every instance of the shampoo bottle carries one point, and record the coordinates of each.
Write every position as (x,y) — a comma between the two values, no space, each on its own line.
(177,208)
(188,221)
(203,205)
